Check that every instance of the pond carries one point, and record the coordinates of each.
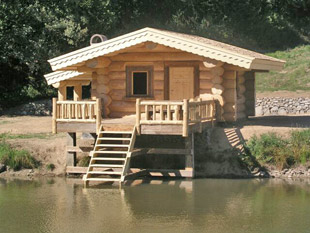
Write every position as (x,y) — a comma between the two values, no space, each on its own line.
(202,205)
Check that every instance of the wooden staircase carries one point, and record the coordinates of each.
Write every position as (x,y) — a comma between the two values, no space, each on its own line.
(111,156)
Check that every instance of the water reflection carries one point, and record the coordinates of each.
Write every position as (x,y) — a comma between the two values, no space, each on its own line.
(205,205)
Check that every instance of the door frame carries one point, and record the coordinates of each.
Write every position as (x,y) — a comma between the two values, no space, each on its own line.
(195,65)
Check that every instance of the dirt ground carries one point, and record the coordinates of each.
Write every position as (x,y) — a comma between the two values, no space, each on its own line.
(285,94)
(49,148)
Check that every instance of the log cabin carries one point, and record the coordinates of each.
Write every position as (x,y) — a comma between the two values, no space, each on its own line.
(150,82)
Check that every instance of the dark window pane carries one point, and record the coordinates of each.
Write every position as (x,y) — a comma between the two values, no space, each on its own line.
(86,92)
(139,83)
(70,93)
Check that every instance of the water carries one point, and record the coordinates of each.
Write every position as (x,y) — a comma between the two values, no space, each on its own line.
(204,205)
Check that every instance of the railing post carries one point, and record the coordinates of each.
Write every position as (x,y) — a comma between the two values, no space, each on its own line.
(185,118)
(200,115)
(98,115)
(54,119)
(138,116)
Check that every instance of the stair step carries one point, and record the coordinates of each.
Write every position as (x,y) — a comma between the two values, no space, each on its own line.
(115,139)
(116,132)
(103,179)
(112,145)
(104,173)
(107,165)
(108,159)
(110,152)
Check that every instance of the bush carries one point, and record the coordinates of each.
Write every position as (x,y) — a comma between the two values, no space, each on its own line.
(16,159)
(50,166)
(84,161)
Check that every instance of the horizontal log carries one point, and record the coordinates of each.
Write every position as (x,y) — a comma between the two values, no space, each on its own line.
(122,106)
(229,116)
(103,89)
(229,75)
(217,80)
(159,94)
(229,107)
(119,75)
(106,99)
(204,91)
(103,71)
(241,99)
(206,75)
(205,84)
(229,83)
(218,71)
(241,115)
(241,89)
(117,66)
(217,89)
(117,94)
(117,84)
(158,84)
(229,95)
(103,79)
(98,62)
(234,68)
(241,79)
(240,107)
(153,56)
(159,75)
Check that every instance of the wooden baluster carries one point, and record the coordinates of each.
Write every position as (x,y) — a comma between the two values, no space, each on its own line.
(76,111)
(168,112)
(138,116)
(83,111)
(154,112)
(147,112)
(177,112)
(98,114)
(69,111)
(161,110)
(63,111)
(185,118)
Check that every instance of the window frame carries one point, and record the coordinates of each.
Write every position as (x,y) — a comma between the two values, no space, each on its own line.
(130,70)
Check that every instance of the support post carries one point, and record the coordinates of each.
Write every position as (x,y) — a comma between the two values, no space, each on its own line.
(185,118)
(62,93)
(98,115)
(189,158)
(77,93)
(71,156)
(138,116)
(54,119)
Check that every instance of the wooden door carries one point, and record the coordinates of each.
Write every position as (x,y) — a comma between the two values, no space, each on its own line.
(181,83)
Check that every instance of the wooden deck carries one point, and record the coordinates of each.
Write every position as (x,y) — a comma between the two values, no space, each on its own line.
(152,117)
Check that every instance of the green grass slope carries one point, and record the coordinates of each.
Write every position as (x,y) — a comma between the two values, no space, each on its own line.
(295,75)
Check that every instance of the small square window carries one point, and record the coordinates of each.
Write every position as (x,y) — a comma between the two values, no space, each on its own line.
(139,83)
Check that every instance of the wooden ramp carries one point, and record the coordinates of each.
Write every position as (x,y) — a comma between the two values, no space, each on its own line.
(111,156)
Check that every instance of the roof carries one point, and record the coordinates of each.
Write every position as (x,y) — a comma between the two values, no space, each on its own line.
(189,43)
(58,76)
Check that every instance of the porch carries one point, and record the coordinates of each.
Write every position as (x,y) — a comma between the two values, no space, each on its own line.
(152,117)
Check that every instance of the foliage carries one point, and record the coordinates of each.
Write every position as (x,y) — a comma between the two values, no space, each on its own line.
(16,159)
(84,161)
(270,148)
(25,136)
(295,75)
(50,166)
(33,31)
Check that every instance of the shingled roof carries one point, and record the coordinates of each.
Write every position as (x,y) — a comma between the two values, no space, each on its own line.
(189,43)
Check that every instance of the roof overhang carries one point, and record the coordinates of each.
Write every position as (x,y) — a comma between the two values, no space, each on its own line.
(59,76)
(160,37)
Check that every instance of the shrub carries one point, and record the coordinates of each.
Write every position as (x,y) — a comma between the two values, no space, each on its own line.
(271,148)
(16,159)
(84,161)
(50,166)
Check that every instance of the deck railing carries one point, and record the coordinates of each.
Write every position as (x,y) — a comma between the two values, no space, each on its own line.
(185,113)
(76,111)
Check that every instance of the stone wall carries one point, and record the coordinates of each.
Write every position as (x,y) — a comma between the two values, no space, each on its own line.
(282,106)
(35,108)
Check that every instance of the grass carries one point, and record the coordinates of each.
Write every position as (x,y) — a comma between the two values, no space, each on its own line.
(25,136)
(50,167)
(84,161)
(16,159)
(4,122)
(270,148)
(294,76)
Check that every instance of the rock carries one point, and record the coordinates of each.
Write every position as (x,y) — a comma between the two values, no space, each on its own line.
(2,168)
(259,111)
(282,111)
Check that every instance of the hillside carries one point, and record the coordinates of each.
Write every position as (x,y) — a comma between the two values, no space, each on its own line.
(295,75)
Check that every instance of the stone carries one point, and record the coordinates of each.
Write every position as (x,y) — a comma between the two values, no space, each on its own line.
(282,111)
(259,111)
(2,168)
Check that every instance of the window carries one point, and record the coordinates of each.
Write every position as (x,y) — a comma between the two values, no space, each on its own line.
(139,81)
